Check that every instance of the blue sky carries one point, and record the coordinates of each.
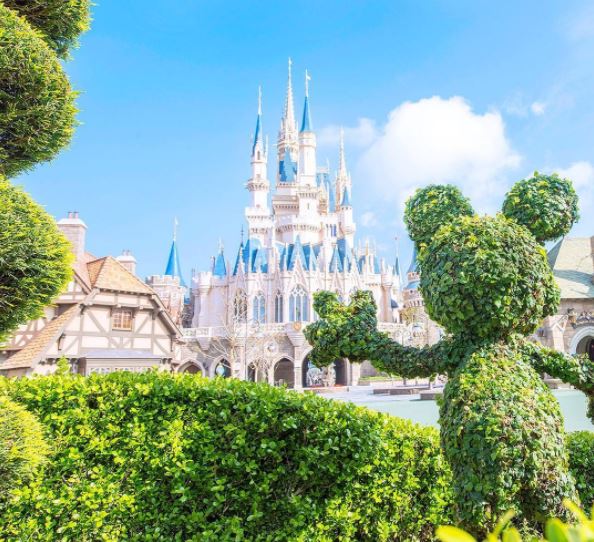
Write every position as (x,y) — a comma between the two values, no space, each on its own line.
(472,92)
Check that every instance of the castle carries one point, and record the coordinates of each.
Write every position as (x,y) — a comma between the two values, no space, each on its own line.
(248,314)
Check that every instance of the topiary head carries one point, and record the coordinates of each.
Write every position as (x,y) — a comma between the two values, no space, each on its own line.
(487,277)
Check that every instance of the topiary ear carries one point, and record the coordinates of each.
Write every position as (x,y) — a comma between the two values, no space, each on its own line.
(431,207)
(545,204)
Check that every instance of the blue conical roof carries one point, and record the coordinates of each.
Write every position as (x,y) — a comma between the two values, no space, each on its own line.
(173,268)
(346,198)
(306,125)
(413,264)
(258,134)
(220,266)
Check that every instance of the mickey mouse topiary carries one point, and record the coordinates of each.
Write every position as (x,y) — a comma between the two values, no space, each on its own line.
(37,118)
(487,282)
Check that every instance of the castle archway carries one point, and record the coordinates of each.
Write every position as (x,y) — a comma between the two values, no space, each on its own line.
(284,373)
(222,369)
(583,342)
(192,367)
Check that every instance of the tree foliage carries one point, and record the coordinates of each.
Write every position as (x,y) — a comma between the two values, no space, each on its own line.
(37,111)
(37,116)
(35,258)
(545,204)
(22,447)
(167,457)
(486,280)
(60,21)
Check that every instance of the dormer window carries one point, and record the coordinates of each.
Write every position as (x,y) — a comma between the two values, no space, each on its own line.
(121,319)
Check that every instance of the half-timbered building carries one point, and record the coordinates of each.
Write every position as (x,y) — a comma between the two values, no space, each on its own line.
(106,320)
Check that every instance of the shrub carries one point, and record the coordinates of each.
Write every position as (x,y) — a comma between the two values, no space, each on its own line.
(487,277)
(581,463)
(177,457)
(35,258)
(22,447)
(486,280)
(36,102)
(60,21)
(545,204)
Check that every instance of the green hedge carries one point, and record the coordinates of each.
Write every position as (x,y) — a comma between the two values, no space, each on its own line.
(22,447)
(581,463)
(160,457)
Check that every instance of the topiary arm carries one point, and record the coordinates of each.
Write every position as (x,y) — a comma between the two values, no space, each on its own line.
(575,370)
(350,331)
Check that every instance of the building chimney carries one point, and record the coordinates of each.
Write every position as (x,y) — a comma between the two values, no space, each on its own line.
(128,261)
(75,231)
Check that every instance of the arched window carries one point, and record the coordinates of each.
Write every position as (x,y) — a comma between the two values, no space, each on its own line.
(278,308)
(298,305)
(259,309)
(240,306)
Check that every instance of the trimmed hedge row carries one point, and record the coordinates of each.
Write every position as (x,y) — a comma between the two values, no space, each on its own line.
(22,447)
(160,457)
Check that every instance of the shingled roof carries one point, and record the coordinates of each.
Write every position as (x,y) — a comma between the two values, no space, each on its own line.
(109,274)
(30,355)
(572,262)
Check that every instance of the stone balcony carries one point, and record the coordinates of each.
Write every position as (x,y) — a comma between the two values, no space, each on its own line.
(241,330)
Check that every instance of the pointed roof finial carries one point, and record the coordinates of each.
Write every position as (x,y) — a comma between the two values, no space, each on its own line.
(259,99)
(306,121)
(288,122)
(175,225)
(242,234)
(341,156)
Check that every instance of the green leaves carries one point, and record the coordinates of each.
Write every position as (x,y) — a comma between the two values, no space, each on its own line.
(37,108)
(22,447)
(486,277)
(35,258)
(152,457)
(547,205)
(60,21)
(432,207)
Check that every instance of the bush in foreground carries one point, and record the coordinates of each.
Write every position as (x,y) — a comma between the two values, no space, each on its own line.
(22,447)
(161,457)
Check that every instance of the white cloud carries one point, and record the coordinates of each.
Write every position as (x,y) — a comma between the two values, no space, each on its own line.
(361,135)
(538,108)
(368,219)
(443,141)
(516,105)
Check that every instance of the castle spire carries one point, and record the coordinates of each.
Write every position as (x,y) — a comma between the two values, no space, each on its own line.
(258,138)
(306,125)
(342,169)
(288,123)
(173,268)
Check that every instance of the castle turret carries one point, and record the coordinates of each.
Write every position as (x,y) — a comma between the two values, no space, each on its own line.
(307,143)
(258,213)
(287,136)
(343,197)
(170,286)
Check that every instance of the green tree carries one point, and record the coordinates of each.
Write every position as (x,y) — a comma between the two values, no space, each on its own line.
(487,282)
(37,118)
(22,446)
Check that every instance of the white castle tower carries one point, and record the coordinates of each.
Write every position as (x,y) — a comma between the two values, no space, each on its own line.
(300,239)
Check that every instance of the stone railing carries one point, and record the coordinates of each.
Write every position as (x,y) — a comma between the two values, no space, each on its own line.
(238,330)
(251,329)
